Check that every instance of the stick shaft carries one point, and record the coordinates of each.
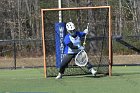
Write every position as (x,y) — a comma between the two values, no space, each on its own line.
(84,43)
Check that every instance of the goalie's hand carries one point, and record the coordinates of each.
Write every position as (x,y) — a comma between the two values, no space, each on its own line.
(81,48)
(86,31)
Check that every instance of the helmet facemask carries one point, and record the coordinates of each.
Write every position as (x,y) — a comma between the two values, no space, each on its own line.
(72,32)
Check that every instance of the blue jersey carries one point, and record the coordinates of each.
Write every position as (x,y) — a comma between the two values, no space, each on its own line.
(76,41)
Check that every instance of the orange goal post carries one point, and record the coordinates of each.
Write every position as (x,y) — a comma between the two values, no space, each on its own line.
(110,61)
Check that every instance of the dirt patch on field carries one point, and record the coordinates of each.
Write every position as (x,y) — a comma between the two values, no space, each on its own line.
(21,62)
(34,62)
(126,59)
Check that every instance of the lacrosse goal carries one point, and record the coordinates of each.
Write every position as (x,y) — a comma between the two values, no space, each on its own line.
(98,43)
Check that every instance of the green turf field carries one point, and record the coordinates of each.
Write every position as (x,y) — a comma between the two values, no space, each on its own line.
(124,80)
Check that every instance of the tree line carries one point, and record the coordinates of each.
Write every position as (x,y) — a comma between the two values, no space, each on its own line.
(21,19)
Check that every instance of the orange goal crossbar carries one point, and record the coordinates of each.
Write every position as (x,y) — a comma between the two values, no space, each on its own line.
(79,8)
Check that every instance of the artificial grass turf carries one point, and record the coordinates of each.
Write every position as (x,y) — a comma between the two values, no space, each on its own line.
(123,80)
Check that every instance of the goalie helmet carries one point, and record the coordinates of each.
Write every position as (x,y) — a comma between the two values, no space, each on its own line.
(70,26)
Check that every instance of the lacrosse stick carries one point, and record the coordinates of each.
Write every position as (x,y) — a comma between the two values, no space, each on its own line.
(84,43)
(81,59)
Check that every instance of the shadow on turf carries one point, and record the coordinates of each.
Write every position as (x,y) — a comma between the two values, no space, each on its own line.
(90,76)
(97,76)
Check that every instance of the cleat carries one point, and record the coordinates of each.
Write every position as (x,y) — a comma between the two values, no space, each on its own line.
(93,72)
(59,76)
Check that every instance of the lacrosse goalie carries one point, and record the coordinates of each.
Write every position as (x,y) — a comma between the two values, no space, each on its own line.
(73,49)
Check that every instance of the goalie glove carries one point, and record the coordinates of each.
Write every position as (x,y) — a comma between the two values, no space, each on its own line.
(86,31)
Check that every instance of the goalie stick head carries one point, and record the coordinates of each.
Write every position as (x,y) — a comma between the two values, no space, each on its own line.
(81,58)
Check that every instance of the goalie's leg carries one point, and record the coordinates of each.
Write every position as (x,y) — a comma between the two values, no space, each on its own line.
(91,69)
(64,64)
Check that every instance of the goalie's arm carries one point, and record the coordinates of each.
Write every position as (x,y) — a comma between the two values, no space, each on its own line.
(72,46)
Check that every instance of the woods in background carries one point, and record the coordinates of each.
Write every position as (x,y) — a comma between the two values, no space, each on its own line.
(20,19)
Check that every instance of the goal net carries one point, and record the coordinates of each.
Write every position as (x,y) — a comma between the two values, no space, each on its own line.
(98,43)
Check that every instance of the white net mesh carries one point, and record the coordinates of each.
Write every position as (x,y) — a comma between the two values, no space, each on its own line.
(81,58)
